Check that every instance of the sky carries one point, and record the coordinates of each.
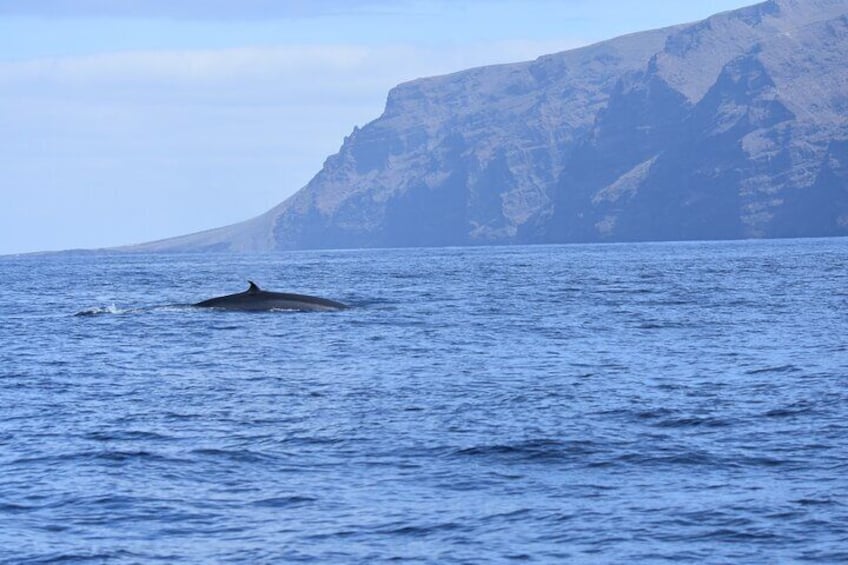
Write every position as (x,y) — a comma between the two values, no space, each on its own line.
(125,121)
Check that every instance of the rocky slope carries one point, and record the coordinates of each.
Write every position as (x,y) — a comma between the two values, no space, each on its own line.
(732,127)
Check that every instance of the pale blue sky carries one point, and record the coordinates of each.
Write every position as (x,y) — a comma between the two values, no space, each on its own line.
(131,120)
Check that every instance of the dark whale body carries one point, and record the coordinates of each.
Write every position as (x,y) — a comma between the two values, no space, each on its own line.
(256,299)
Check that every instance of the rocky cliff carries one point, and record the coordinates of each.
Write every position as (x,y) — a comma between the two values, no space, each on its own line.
(732,127)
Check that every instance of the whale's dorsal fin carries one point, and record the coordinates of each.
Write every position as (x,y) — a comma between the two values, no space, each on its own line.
(253,287)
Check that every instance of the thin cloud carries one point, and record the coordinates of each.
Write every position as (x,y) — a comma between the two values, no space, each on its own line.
(287,70)
(192,9)
(226,10)
(188,66)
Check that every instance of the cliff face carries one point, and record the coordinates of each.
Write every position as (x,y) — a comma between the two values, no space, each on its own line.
(732,127)
(759,150)
(464,158)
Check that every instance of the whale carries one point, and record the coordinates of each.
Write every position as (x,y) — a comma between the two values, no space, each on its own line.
(255,299)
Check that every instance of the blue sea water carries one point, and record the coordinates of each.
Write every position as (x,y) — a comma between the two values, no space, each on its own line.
(587,403)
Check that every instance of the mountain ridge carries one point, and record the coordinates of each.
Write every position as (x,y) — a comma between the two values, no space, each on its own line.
(731,127)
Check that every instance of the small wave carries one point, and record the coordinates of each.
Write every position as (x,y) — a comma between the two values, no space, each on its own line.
(92,556)
(628,290)
(126,435)
(826,501)
(778,369)
(284,501)
(737,535)
(763,461)
(531,450)
(12,508)
(693,422)
(235,455)
(418,530)
(660,325)
(653,413)
(109,456)
(682,458)
(795,409)
(671,302)
(100,310)
(667,418)
(120,456)
(113,309)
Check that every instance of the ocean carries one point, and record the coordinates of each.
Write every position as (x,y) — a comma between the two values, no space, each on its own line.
(646,402)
